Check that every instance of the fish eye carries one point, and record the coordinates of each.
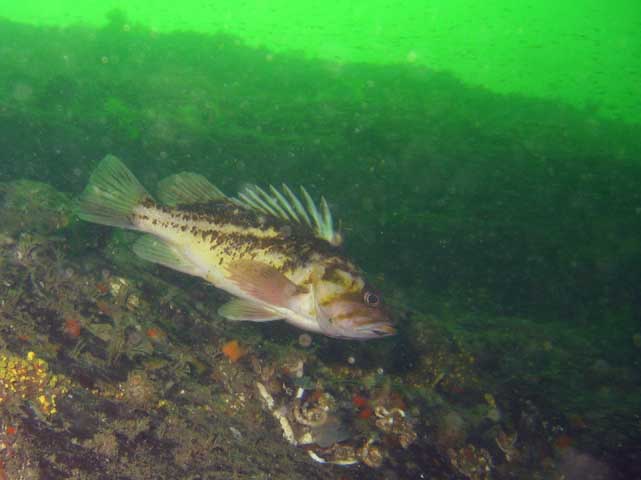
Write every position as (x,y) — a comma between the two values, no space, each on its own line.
(372,299)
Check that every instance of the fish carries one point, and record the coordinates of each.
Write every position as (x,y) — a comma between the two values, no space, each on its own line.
(277,253)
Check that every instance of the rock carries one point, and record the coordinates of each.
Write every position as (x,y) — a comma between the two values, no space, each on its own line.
(34,207)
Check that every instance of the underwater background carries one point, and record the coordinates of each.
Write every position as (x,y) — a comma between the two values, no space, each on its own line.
(484,161)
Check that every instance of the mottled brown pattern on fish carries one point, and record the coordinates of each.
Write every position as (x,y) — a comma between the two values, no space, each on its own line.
(253,233)
(148,202)
(352,293)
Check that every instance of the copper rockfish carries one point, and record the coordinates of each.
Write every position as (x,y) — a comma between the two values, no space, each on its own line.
(276,254)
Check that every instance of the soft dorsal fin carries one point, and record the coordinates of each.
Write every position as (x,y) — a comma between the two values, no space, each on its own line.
(187,188)
(287,205)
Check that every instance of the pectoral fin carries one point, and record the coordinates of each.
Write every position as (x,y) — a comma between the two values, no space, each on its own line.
(262,282)
(239,309)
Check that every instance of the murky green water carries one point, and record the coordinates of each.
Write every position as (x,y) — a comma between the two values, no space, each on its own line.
(483,161)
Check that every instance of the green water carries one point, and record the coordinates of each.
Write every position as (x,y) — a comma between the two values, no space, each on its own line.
(483,159)
(581,52)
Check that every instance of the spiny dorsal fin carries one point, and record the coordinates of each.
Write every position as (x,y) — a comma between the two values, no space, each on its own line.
(187,188)
(288,206)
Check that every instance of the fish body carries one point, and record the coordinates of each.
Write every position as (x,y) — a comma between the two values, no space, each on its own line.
(277,256)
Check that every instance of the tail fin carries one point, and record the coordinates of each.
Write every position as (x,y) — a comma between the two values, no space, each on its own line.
(111,195)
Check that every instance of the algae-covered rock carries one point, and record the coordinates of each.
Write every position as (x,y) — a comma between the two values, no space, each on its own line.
(35,207)
(30,380)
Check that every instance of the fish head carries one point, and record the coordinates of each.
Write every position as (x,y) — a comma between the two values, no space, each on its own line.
(347,306)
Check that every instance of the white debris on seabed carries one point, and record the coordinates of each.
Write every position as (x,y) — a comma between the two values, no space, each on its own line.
(279,415)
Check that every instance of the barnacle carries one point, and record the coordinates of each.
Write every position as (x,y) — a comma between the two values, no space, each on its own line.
(395,422)
(370,454)
(311,416)
(313,412)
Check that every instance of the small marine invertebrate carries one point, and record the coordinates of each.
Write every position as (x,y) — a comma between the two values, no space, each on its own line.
(365,410)
(72,327)
(155,334)
(359,401)
(305,340)
(233,351)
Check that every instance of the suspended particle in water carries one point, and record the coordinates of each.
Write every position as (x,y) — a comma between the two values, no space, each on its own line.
(351,360)
(104,59)
(305,340)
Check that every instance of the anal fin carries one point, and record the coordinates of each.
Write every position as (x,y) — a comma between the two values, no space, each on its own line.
(239,309)
(156,250)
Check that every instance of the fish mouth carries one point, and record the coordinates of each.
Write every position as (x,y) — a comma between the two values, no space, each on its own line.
(378,330)
(374,324)
(384,330)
